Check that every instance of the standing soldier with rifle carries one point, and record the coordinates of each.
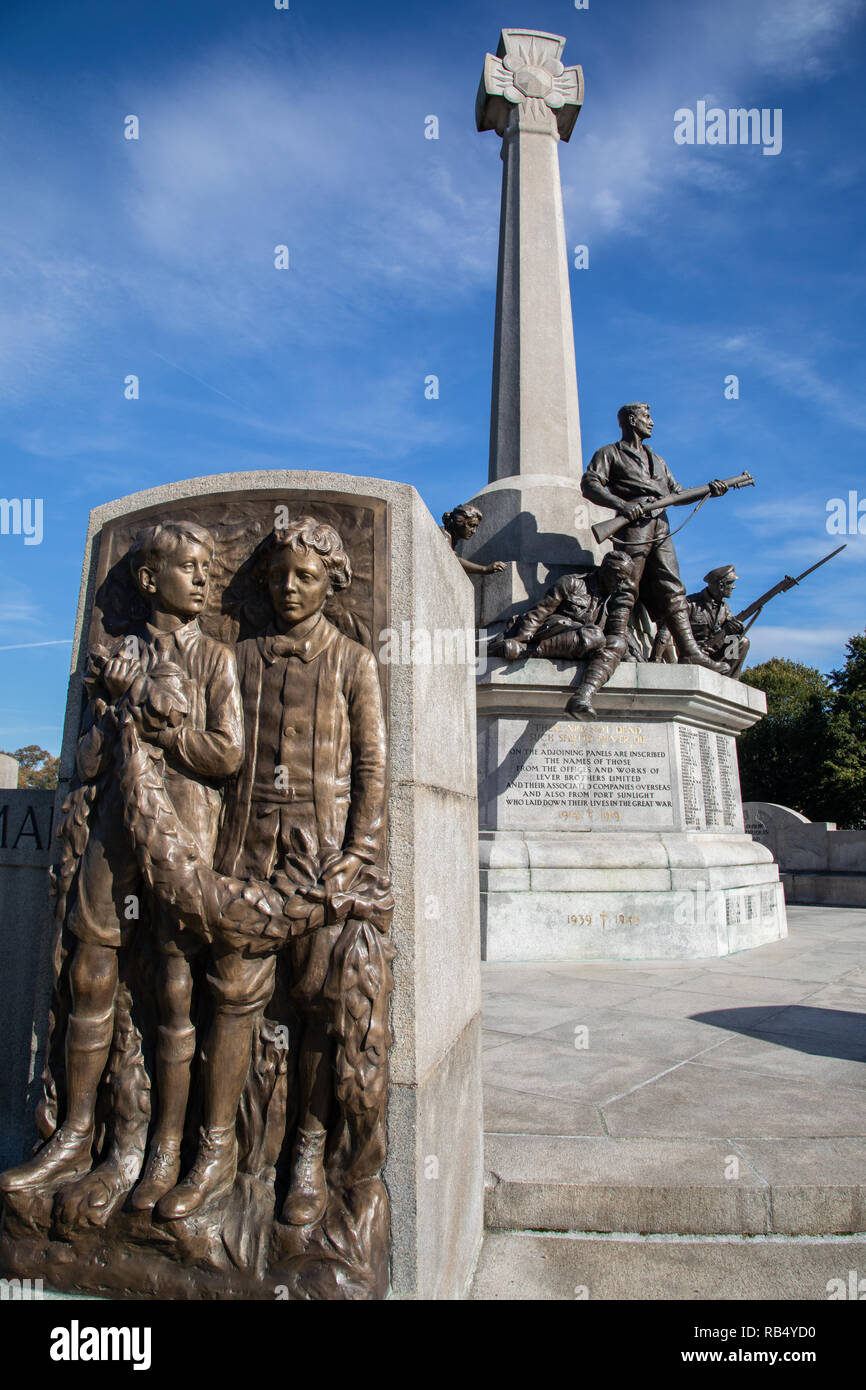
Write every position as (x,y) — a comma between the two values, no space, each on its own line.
(637,484)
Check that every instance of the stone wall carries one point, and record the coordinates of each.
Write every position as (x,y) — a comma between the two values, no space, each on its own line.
(26,818)
(819,863)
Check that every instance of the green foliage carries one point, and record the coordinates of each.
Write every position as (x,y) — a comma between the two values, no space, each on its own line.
(36,767)
(782,757)
(809,752)
(846,762)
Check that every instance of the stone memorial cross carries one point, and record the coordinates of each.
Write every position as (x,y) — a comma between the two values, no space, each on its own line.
(530,99)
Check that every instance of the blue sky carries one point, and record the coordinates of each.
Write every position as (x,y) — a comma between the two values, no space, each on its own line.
(306,127)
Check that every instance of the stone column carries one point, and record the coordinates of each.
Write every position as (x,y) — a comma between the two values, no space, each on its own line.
(534,513)
(8,772)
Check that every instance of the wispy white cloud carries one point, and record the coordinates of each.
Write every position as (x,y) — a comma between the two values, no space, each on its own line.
(18,606)
(824,648)
(798,37)
(796,374)
(23,646)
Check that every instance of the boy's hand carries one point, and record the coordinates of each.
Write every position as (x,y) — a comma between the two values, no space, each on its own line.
(341,875)
(336,880)
(118,675)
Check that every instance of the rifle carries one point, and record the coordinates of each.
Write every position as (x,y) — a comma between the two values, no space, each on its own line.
(603,530)
(754,609)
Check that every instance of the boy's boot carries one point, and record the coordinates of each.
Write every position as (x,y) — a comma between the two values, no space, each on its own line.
(175,1051)
(67,1153)
(308,1194)
(211,1176)
(216,1165)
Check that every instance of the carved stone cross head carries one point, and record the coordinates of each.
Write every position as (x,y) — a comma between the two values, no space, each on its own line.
(527,73)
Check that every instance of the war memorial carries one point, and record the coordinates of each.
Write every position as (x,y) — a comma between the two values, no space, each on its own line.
(279,858)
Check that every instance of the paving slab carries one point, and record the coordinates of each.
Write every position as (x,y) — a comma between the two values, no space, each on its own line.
(693,1100)
(521,1112)
(531,1267)
(781,1055)
(643,1034)
(677,1070)
(758,988)
(550,1068)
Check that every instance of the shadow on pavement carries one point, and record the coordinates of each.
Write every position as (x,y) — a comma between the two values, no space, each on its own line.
(820,1032)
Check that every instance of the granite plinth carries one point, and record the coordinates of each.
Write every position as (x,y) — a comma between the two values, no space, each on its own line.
(620,837)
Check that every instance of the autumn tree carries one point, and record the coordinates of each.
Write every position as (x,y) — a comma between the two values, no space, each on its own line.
(36,767)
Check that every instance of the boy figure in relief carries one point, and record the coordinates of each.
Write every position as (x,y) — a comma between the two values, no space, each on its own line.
(307,812)
(181,687)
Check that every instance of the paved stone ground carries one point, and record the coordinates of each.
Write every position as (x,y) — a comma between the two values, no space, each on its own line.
(719,1101)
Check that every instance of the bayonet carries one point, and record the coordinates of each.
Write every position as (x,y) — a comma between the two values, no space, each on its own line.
(754,609)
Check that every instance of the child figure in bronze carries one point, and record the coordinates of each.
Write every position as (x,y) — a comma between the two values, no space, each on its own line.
(307,815)
(180,687)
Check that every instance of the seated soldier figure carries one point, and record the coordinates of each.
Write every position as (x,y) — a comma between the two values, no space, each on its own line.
(717,632)
(715,629)
(584,615)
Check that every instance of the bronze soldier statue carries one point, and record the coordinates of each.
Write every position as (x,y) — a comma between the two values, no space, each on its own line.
(627,477)
(582,617)
(718,633)
(459,525)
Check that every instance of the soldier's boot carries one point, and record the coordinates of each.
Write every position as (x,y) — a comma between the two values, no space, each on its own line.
(688,651)
(598,670)
(175,1051)
(211,1176)
(308,1193)
(67,1153)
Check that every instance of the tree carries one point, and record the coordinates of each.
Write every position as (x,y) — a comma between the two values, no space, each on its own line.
(846,760)
(809,752)
(783,757)
(36,767)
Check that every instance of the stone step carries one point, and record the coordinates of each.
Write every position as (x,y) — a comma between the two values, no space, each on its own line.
(527,1266)
(748,1187)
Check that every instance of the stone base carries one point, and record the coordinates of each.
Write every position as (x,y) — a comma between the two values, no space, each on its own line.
(619,838)
(626,896)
